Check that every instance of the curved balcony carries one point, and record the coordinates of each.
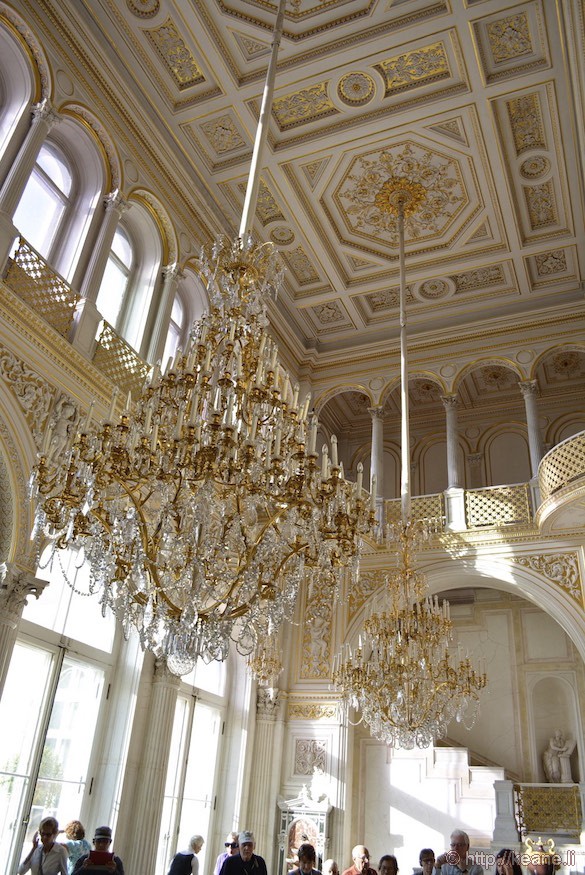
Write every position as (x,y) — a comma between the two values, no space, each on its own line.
(561,480)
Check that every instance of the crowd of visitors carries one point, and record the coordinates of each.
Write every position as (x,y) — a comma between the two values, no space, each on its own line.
(74,856)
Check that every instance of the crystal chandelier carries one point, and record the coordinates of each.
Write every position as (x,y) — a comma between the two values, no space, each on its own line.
(202,508)
(406,677)
(265,663)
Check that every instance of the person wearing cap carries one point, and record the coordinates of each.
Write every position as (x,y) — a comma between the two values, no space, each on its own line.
(46,856)
(232,846)
(186,862)
(246,862)
(102,839)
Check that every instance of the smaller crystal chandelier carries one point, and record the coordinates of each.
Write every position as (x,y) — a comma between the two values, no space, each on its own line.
(406,677)
(265,663)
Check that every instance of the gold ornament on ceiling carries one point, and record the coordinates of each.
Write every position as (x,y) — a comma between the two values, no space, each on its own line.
(509,38)
(356,89)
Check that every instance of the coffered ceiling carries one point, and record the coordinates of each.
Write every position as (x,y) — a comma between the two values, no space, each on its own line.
(479,100)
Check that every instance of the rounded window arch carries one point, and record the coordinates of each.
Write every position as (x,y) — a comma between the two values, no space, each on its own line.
(17,92)
(59,202)
(132,270)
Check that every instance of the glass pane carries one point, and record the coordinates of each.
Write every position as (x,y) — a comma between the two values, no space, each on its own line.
(71,612)
(177,311)
(55,168)
(21,712)
(111,293)
(197,805)
(210,676)
(168,825)
(122,248)
(66,753)
(38,214)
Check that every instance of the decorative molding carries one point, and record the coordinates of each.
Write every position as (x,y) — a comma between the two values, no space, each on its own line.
(561,569)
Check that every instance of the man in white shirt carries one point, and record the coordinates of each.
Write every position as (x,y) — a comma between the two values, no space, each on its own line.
(455,861)
(46,856)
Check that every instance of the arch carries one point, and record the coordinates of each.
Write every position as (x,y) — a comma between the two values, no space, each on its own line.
(477,364)
(496,433)
(193,293)
(566,426)
(455,571)
(552,350)
(111,160)
(160,215)
(329,394)
(32,51)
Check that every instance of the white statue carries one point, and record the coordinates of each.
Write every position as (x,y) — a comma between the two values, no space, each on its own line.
(556,759)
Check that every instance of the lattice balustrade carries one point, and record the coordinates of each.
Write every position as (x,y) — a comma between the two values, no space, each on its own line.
(424,507)
(564,464)
(498,506)
(47,293)
(119,361)
(544,809)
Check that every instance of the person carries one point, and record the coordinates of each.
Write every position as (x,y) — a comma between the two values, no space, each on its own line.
(307,860)
(456,860)
(555,759)
(388,865)
(361,862)
(76,843)
(246,862)
(187,862)
(102,839)
(426,860)
(507,863)
(330,867)
(231,848)
(46,857)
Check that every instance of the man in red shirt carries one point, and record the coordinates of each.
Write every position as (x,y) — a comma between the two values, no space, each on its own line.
(361,862)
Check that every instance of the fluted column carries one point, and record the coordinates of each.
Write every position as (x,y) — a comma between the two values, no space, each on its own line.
(377,454)
(265,776)
(88,317)
(17,585)
(171,274)
(148,797)
(451,403)
(44,117)
(529,389)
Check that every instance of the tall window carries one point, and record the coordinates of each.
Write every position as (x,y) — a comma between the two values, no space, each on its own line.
(116,278)
(175,329)
(48,713)
(190,783)
(45,201)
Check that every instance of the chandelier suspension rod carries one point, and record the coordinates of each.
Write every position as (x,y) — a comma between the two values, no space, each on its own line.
(253,185)
(405,437)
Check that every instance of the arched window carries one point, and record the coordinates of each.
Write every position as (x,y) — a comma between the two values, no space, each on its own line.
(116,277)
(131,273)
(46,199)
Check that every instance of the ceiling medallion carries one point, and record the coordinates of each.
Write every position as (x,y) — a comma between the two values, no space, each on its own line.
(143,8)
(282,235)
(355,89)
(533,168)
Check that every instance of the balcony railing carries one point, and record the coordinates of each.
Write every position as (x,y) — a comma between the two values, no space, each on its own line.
(498,506)
(423,507)
(118,361)
(545,809)
(562,465)
(47,293)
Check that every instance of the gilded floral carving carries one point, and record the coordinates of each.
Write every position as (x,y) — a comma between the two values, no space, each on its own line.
(223,134)
(312,711)
(299,263)
(526,121)
(509,37)
(540,200)
(412,69)
(176,54)
(303,106)
(552,262)
(559,568)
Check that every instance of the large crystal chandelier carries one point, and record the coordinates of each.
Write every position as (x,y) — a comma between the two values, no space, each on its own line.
(406,676)
(203,507)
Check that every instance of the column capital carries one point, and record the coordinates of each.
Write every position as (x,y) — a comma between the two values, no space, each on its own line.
(474,458)
(171,272)
(45,112)
(163,676)
(528,387)
(115,200)
(16,586)
(376,412)
(267,702)
(450,402)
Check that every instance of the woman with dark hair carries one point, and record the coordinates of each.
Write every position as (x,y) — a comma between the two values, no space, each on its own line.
(507,863)
(307,861)
(388,865)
